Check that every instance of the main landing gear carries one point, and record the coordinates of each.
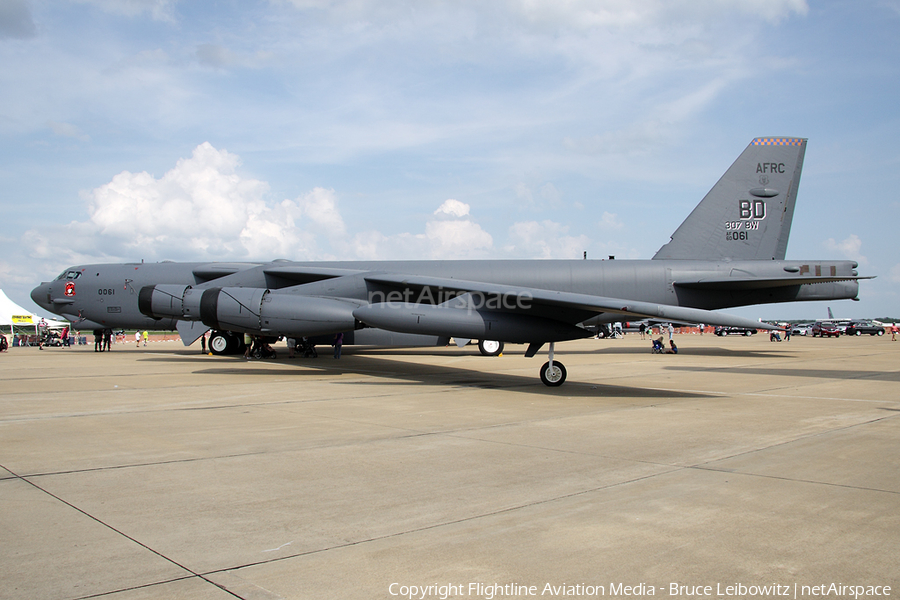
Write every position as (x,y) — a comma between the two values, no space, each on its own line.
(490,347)
(222,343)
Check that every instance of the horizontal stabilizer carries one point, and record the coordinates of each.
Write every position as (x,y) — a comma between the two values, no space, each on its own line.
(758,283)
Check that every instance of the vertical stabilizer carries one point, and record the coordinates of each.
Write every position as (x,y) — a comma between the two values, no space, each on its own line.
(747,215)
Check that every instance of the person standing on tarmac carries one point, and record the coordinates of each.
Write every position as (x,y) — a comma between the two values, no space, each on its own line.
(337,343)
(248,343)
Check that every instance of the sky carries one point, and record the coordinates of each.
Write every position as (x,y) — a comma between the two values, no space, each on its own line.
(396,129)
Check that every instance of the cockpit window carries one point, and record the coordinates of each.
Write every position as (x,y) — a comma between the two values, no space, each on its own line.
(69,275)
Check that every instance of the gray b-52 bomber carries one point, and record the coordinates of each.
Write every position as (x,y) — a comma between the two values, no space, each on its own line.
(729,252)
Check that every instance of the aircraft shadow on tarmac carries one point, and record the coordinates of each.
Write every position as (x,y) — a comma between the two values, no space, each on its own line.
(406,373)
(685,349)
(562,352)
(824,374)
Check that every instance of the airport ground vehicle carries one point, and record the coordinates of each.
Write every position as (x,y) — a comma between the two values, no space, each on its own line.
(861,327)
(722,331)
(822,329)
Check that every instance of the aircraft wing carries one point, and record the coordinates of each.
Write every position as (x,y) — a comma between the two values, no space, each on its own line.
(568,307)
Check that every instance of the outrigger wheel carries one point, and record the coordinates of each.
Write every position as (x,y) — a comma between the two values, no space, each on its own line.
(553,373)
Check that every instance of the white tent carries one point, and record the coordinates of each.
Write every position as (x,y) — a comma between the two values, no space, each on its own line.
(14,316)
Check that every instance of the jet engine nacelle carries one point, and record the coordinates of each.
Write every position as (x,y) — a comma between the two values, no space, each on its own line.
(261,312)
(170,300)
(462,323)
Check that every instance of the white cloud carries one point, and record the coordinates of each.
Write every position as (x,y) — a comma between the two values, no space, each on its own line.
(453,208)
(457,239)
(320,207)
(200,198)
(531,239)
(450,236)
(610,221)
(848,248)
(202,209)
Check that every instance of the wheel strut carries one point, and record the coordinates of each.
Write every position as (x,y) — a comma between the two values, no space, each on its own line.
(553,373)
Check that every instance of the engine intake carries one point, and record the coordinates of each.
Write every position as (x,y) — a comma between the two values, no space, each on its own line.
(170,300)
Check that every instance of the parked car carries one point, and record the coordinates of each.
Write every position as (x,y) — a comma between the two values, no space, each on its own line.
(720,331)
(821,329)
(861,327)
(800,330)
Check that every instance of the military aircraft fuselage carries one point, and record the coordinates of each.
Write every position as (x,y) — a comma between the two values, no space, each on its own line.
(107,294)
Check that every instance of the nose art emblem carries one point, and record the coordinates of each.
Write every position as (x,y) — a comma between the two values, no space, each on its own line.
(70,289)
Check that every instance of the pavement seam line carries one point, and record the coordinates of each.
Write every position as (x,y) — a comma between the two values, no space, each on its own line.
(121,533)
(501,511)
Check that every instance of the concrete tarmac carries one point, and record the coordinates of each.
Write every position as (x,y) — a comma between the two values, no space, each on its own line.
(159,472)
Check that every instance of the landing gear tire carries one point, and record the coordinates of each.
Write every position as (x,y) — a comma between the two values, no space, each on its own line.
(490,347)
(553,376)
(218,343)
(222,343)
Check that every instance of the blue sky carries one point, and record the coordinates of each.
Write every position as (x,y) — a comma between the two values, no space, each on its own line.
(356,129)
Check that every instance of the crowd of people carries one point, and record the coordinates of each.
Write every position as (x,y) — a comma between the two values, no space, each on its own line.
(65,338)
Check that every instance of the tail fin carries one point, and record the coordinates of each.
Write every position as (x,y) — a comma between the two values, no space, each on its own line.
(747,215)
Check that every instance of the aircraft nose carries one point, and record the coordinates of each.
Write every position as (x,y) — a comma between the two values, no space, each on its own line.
(41,296)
